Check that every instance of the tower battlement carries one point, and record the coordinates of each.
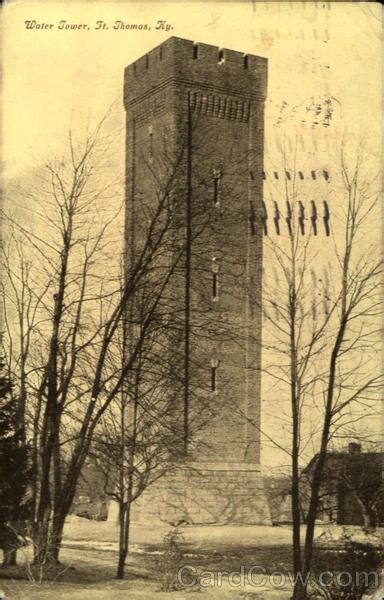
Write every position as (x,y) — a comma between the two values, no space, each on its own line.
(199,64)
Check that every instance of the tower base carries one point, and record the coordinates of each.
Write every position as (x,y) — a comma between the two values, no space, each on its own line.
(203,493)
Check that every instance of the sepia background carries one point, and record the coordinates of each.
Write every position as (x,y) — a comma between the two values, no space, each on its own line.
(317,51)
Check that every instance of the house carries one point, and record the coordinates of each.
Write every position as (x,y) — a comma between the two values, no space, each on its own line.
(352,488)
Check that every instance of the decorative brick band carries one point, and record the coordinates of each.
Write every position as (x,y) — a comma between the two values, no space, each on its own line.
(222,107)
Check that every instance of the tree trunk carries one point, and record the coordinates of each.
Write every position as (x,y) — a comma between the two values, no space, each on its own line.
(295,404)
(40,533)
(322,456)
(125,521)
(55,538)
(123,552)
(296,516)
(41,536)
(299,590)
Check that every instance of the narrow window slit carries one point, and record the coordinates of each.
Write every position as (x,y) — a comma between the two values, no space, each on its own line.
(214,367)
(195,51)
(214,286)
(215,279)
(150,152)
(252,218)
(216,186)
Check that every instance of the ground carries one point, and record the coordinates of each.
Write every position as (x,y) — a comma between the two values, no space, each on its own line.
(89,559)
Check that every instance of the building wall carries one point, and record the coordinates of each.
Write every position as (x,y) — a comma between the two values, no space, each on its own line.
(203,493)
(194,112)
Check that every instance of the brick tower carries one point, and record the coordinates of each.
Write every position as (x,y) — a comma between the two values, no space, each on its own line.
(203,108)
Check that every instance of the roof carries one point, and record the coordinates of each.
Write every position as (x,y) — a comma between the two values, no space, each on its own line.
(347,457)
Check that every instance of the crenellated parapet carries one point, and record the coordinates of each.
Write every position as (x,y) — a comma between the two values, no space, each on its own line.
(201,65)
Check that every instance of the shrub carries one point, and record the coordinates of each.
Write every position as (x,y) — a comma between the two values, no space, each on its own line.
(171,562)
(346,573)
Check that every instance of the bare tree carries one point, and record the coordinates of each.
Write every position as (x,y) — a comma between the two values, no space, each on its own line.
(134,445)
(320,305)
(69,304)
(66,302)
(140,434)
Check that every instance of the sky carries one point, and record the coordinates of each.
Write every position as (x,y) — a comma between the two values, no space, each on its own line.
(54,78)
(320,54)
